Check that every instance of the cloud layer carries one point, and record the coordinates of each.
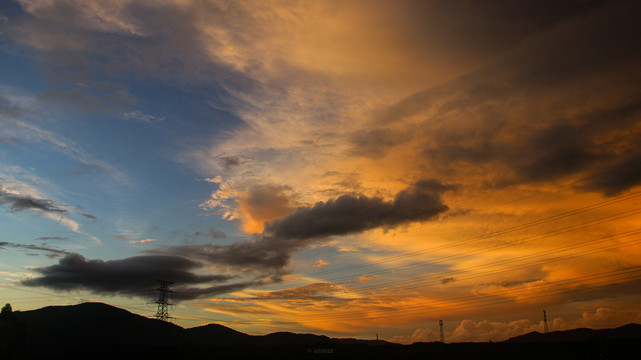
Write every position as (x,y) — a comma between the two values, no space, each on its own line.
(336,124)
(133,276)
(348,214)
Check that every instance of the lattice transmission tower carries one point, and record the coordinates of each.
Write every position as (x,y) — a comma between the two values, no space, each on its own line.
(442,336)
(163,300)
(546,329)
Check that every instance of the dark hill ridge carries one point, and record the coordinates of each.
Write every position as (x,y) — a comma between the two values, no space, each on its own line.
(581,334)
(98,323)
(94,323)
(100,331)
(214,334)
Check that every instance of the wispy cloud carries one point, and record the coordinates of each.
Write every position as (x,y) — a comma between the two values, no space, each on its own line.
(140,116)
(24,126)
(49,251)
(132,240)
(19,202)
(20,192)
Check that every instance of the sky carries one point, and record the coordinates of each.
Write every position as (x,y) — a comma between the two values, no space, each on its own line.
(346,168)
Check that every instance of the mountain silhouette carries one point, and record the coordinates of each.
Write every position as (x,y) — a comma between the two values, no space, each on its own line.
(214,334)
(94,323)
(101,331)
(582,334)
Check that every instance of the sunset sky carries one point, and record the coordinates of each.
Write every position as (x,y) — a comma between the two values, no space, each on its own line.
(343,168)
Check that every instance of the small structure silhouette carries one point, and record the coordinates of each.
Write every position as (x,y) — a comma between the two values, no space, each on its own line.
(442,336)
(163,300)
(546,329)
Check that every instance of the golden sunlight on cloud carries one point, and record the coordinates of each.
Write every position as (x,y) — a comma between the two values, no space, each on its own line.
(320,263)
(263,203)
(523,128)
(142,241)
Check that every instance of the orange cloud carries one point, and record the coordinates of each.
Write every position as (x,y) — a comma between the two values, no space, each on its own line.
(320,263)
(142,241)
(263,203)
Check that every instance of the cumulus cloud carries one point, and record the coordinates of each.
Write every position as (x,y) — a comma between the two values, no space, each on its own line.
(352,214)
(600,318)
(269,252)
(133,276)
(263,203)
(419,335)
(485,330)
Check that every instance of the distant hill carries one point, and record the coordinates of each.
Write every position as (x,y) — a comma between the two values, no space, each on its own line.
(100,331)
(94,323)
(581,334)
(98,323)
(214,334)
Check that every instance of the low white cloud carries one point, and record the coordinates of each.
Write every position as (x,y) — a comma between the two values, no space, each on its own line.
(140,116)
(485,330)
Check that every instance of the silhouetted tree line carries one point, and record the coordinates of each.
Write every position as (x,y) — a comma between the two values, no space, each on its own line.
(13,332)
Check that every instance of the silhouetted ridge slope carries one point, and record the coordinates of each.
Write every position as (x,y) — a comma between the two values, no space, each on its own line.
(100,331)
(288,338)
(94,323)
(214,334)
(581,334)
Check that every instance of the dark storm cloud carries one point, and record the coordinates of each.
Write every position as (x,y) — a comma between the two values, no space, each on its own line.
(262,255)
(565,102)
(51,252)
(269,253)
(351,214)
(22,202)
(132,276)
(620,175)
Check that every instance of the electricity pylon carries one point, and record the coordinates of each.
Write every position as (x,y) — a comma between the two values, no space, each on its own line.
(163,300)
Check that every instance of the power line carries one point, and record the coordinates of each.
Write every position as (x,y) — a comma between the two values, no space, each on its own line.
(437,278)
(598,280)
(485,236)
(555,232)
